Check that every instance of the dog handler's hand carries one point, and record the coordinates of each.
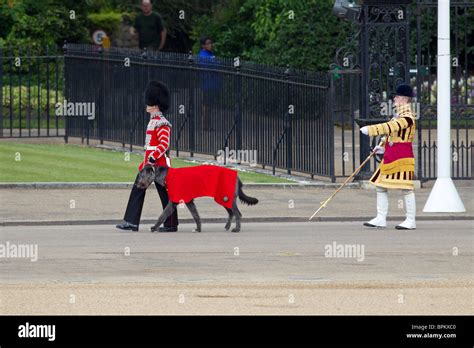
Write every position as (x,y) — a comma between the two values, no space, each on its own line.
(379,150)
(151,160)
(365,130)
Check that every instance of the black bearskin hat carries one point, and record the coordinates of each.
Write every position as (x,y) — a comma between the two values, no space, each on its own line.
(157,93)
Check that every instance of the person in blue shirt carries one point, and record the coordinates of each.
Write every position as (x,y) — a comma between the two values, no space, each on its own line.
(206,49)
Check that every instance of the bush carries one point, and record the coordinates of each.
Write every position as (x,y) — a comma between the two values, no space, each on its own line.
(42,101)
(109,21)
(31,108)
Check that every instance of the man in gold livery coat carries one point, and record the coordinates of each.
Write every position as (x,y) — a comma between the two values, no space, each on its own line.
(396,170)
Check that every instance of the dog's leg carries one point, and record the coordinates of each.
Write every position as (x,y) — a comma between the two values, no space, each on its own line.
(237,215)
(235,211)
(229,220)
(169,209)
(192,208)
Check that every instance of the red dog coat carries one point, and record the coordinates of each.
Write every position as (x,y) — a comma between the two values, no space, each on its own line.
(185,184)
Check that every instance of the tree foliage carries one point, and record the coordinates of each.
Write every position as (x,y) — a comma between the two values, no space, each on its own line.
(36,24)
(300,33)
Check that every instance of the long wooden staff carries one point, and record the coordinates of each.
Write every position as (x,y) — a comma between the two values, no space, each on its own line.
(323,204)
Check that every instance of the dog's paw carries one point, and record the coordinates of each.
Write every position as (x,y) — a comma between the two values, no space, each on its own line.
(154,228)
(235,229)
(196,230)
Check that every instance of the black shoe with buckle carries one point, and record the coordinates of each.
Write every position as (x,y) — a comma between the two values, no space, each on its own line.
(126,226)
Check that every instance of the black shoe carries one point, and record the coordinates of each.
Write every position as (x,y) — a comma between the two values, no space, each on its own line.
(168,229)
(126,226)
(398,227)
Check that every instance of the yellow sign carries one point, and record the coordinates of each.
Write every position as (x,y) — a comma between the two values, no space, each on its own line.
(106,42)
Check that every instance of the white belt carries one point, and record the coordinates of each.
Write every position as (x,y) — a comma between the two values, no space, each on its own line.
(168,162)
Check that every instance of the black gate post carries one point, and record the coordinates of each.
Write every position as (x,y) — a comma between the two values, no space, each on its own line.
(385,60)
(364,143)
(192,91)
(100,112)
(419,125)
(1,92)
(238,111)
(289,131)
(329,113)
(66,90)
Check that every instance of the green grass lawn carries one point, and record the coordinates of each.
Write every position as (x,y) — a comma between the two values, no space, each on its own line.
(75,163)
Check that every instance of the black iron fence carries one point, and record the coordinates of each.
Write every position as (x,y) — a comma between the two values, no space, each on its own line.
(31,84)
(385,72)
(236,110)
(230,109)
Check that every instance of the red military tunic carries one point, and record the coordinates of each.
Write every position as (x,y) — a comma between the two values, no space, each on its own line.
(185,184)
(158,135)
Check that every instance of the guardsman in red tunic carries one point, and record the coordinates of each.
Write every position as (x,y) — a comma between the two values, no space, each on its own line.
(158,137)
(397,169)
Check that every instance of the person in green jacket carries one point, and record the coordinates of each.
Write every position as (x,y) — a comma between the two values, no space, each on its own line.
(150,28)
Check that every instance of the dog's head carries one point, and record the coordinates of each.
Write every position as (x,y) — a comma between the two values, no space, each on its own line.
(146,177)
(160,175)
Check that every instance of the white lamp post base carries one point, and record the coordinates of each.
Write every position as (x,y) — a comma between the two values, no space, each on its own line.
(444,198)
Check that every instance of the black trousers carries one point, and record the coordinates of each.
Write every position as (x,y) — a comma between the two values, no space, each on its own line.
(135,205)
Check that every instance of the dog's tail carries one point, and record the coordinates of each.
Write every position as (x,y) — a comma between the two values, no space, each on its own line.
(243,197)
